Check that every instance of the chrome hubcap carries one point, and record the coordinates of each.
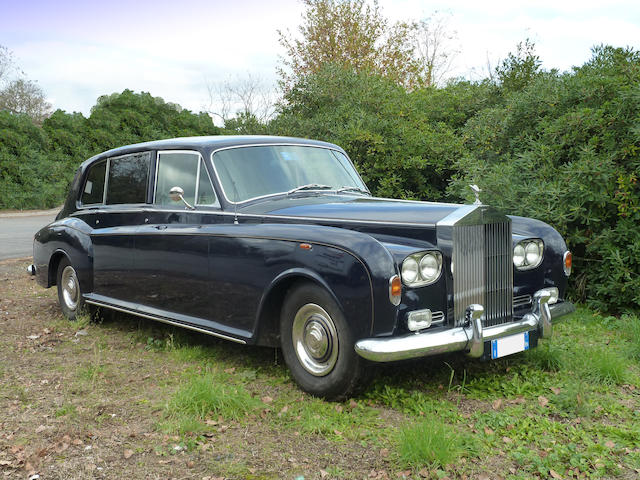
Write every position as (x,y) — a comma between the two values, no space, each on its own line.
(70,287)
(315,339)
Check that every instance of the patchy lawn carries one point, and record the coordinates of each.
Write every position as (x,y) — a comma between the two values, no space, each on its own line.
(130,398)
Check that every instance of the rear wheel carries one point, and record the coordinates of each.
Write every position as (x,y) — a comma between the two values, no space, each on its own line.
(318,345)
(69,293)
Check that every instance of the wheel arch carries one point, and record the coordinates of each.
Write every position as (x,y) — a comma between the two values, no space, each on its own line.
(54,262)
(268,317)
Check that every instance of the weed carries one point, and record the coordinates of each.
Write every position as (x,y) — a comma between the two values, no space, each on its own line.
(572,400)
(431,443)
(314,416)
(206,394)
(66,409)
(631,330)
(602,365)
(547,356)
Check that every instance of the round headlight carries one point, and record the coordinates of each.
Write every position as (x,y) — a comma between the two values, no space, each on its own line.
(429,268)
(409,270)
(518,255)
(532,253)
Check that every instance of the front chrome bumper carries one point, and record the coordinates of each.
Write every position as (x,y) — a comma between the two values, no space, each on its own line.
(469,338)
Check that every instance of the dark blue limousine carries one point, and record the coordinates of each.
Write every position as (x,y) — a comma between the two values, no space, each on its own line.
(277,241)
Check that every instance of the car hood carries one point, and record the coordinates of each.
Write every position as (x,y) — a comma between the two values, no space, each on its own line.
(365,209)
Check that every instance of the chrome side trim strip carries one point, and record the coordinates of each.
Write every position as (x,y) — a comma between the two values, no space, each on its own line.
(165,320)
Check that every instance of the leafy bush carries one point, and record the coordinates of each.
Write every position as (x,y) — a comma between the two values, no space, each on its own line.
(38,163)
(397,149)
(565,148)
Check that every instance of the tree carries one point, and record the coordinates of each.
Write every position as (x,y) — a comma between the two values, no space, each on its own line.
(19,95)
(520,68)
(7,64)
(25,96)
(238,99)
(432,40)
(350,34)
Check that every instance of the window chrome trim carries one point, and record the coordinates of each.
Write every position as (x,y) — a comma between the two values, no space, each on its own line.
(80,204)
(201,161)
(306,145)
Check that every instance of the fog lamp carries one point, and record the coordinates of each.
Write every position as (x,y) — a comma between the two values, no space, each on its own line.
(419,320)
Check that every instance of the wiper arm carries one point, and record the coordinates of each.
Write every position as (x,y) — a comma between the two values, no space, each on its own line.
(352,189)
(309,186)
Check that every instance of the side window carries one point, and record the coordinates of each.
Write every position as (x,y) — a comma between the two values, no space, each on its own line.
(93,192)
(128,179)
(185,170)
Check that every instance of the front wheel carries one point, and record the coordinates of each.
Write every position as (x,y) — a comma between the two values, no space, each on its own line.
(318,345)
(69,293)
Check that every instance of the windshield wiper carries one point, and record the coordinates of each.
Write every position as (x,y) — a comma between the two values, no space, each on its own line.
(309,186)
(352,189)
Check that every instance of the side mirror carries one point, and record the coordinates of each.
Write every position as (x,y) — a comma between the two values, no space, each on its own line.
(176,194)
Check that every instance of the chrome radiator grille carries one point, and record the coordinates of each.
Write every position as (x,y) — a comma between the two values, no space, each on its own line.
(483,271)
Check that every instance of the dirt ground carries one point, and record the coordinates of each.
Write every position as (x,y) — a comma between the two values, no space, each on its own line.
(84,401)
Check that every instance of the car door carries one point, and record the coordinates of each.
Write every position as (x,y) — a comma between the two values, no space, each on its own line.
(115,219)
(170,251)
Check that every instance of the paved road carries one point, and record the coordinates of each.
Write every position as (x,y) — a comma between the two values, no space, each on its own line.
(17,230)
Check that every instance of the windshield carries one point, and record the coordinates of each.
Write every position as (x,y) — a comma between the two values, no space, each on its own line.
(251,172)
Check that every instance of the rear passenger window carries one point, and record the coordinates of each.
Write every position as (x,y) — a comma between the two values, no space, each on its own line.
(93,192)
(128,179)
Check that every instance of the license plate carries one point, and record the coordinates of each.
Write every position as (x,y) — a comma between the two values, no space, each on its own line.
(502,347)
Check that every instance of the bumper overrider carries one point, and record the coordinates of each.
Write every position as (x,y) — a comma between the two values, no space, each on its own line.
(470,338)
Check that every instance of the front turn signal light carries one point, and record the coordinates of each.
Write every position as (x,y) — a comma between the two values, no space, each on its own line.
(567,262)
(395,290)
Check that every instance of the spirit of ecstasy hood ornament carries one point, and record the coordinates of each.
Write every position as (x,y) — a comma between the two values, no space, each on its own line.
(476,190)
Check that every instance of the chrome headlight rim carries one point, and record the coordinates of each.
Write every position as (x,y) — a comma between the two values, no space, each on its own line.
(528,254)
(420,259)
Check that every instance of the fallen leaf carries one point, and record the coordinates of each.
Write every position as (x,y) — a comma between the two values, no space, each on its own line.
(497,404)
(556,390)
(41,428)
(424,473)
(33,337)
(609,444)
(384,452)
(190,464)
(543,401)
(323,473)
(488,431)
(506,440)
(339,408)
(284,410)
(211,422)
(337,432)
(353,403)
(230,370)
(267,399)
(555,474)
(128,453)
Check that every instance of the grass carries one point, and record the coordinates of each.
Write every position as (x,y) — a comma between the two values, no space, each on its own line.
(207,396)
(571,406)
(431,443)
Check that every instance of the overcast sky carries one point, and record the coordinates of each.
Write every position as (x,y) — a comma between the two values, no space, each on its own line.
(79,50)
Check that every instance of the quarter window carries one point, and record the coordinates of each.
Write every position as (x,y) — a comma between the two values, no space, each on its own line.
(93,192)
(187,171)
(128,179)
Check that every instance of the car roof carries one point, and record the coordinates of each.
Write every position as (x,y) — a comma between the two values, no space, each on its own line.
(213,142)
